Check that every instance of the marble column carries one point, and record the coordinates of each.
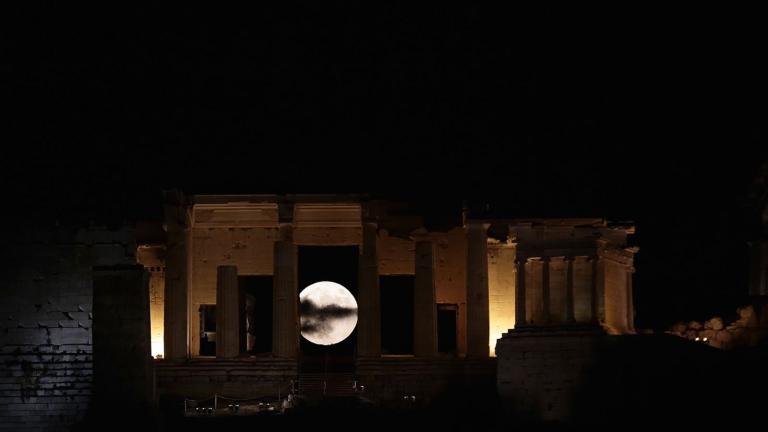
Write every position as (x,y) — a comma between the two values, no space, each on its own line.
(569,303)
(227,313)
(546,289)
(425,307)
(630,301)
(477,290)
(285,331)
(598,290)
(520,315)
(176,278)
(369,297)
(123,375)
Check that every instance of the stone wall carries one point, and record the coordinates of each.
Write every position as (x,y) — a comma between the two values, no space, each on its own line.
(249,249)
(586,377)
(152,257)
(387,380)
(45,330)
(501,291)
(539,372)
(236,378)
(450,250)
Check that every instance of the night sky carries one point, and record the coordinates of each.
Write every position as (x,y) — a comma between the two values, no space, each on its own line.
(650,115)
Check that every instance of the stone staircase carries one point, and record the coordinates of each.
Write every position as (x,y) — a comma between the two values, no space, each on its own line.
(330,385)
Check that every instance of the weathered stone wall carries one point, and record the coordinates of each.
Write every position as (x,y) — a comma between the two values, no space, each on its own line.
(539,372)
(152,257)
(387,380)
(450,277)
(45,330)
(501,291)
(249,249)
(238,378)
(396,254)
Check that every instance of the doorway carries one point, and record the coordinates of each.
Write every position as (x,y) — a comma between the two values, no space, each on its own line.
(335,264)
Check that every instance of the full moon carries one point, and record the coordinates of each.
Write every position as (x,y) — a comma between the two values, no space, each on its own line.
(328,313)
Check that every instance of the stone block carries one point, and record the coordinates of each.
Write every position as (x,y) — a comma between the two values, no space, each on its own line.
(69,336)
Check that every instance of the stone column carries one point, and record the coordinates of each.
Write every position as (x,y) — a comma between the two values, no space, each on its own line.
(520,314)
(477,290)
(569,303)
(630,301)
(598,290)
(123,376)
(369,297)
(425,308)
(285,332)
(176,278)
(227,313)
(545,288)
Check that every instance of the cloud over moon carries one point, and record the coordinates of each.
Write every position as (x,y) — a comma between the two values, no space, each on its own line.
(328,313)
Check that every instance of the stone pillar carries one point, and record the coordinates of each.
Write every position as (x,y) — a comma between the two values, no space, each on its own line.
(369,297)
(122,353)
(569,303)
(477,290)
(176,278)
(598,290)
(520,313)
(630,301)
(425,308)
(285,334)
(545,288)
(227,313)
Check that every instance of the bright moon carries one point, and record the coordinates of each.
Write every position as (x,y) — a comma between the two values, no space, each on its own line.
(328,313)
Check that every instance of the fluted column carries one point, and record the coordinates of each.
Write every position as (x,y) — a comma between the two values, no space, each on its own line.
(477,290)
(520,313)
(630,301)
(176,277)
(369,298)
(227,313)
(545,289)
(598,290)
(569,303)
(425,308)
(285,334)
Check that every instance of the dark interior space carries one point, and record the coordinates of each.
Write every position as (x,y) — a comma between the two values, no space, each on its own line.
(446,328)
(336,264)
(397,314)
(256,294)
(208,330)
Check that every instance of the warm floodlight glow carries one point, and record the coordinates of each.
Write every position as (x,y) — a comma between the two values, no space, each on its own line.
(157,347)
(328,313)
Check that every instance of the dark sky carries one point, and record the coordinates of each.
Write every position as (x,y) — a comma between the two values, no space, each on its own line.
(654,115)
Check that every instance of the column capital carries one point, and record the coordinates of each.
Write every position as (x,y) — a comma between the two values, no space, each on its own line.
(285,212)
(420,235)
(470,224)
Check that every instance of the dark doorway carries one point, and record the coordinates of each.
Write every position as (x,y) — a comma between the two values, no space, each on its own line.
(336,264)
(207,330)
(446,328)
(396,314)
(255,314)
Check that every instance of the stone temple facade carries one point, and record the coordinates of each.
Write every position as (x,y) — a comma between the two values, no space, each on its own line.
(207,304)
(468,283)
